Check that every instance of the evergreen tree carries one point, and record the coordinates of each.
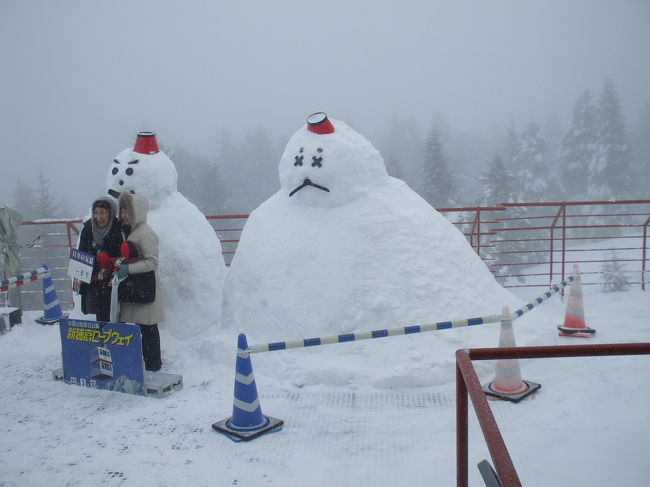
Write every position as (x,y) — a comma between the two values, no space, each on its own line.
(511,147)
(578,148)
(641,165)
(609,171)
(259,167)
(199,179)
(437,183)
(402,140)
(496,183)
(614,275)
(46,206)
(531,166)
(63,209)
(24,200)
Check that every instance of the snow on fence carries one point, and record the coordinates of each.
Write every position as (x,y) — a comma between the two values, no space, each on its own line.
(405,330)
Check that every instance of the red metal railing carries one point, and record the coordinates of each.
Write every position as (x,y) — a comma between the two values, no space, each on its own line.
(515,239)
(467,383)
(511,238)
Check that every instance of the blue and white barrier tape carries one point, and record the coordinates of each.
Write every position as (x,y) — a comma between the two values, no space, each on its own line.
(537,301)
(405,330)
(20,279)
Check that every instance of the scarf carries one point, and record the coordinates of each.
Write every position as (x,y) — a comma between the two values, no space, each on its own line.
(99,233)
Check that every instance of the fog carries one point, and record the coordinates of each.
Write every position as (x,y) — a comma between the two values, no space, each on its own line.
(80,78)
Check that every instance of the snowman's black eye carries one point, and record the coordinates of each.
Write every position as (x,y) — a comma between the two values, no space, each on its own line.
(317,161)
(115,171)
(129,171)
(298,160)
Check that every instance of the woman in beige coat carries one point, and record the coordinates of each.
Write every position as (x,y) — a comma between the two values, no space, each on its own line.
(133,214)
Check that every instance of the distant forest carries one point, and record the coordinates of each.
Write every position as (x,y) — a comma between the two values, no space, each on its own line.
(593,157)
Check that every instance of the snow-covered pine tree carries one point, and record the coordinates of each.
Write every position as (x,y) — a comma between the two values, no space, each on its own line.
(578,148)
(511,148)
(531,167)
(437,183)
(497,187)
(46,205)
(24,200)
(496,183)
(199,179)
(641,154)
(614,274)
(609,171)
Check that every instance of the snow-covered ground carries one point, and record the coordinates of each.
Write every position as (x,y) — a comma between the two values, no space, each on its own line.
(588,425)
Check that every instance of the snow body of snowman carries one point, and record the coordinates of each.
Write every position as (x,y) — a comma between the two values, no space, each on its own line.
(344,247)
(191,264)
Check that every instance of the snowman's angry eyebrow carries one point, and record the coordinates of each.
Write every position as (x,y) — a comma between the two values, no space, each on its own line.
(134,161)
(307,182)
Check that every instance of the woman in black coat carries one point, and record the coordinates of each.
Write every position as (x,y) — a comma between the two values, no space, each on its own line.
(102,233)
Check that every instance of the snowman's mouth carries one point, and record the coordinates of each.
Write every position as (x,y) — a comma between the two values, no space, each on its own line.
(307,182)
(113,193)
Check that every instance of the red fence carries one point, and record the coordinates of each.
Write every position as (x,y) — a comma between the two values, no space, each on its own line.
(467,382)
(536,244)
(523,244)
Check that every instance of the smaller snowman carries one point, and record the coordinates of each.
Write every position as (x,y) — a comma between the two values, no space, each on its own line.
(191,265)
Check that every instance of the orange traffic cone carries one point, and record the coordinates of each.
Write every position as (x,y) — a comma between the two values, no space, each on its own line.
(574,319)
(507,383)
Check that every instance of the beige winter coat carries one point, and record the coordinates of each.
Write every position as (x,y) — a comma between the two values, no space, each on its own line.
(146,243)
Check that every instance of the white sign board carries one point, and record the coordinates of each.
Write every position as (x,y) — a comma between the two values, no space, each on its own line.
(81,265)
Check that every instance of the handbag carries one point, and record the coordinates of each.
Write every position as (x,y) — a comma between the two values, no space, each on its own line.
(138,288)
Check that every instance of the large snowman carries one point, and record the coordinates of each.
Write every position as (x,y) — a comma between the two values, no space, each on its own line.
(344,247)
(191,264)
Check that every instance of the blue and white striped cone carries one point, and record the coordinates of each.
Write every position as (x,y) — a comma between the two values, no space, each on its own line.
(507,383)
(51,308)
(247,421)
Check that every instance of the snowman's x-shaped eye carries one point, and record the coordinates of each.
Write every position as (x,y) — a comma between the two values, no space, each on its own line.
(298,160)
(317,161)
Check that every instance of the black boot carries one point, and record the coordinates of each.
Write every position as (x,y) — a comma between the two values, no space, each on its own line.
(151,347)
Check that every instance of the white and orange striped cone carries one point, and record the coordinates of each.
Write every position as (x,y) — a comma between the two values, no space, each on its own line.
(507,383)
(247,421)
(574,319)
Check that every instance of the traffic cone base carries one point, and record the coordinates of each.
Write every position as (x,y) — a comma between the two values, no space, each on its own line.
(567,331)
(529,388)
(238,434)
(44,321)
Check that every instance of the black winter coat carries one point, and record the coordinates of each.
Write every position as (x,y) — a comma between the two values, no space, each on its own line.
(111,246)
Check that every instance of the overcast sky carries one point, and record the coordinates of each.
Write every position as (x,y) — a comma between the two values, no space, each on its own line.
(80,78)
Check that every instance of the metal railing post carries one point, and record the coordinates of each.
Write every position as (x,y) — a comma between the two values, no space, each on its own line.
(461,430)
(644,252)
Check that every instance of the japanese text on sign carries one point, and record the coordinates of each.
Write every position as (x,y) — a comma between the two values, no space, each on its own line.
(96,336)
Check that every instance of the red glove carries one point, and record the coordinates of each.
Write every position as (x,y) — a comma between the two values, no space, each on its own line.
(129,252)
(105,261)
